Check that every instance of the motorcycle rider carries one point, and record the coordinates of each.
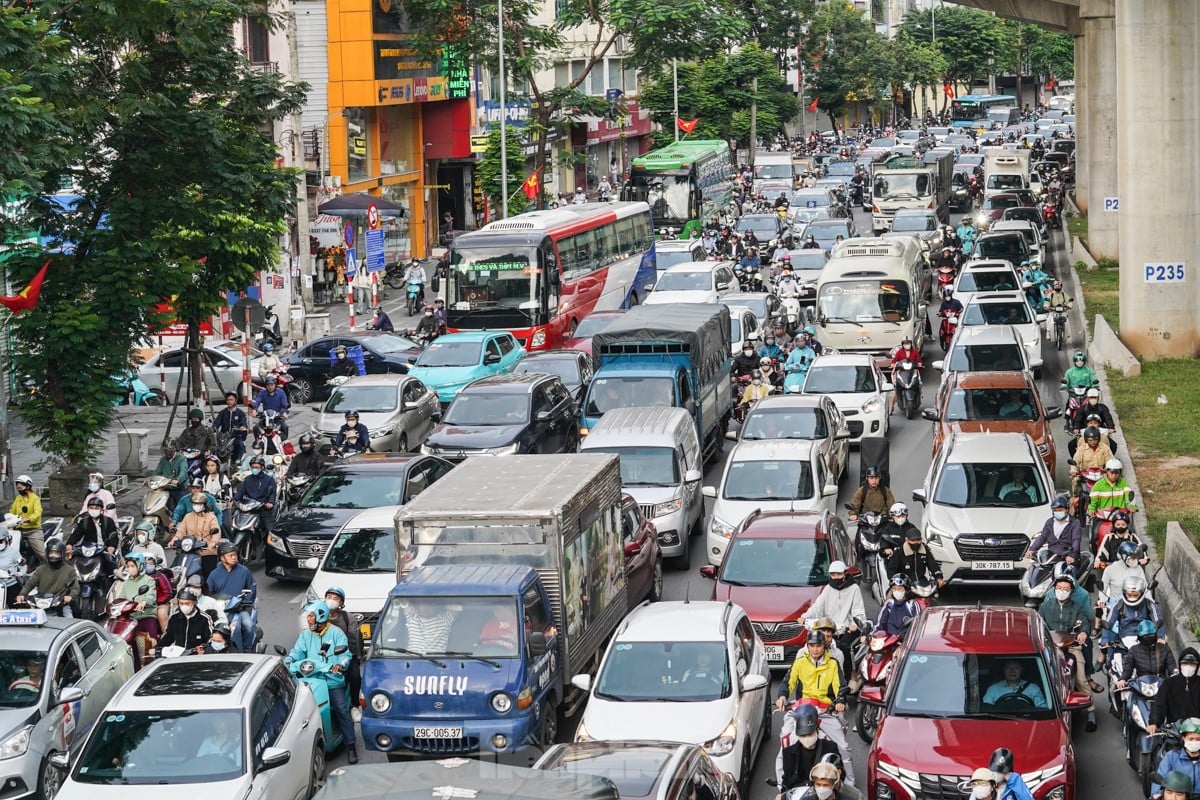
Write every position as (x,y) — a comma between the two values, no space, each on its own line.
(786,283)
(427,328)
(54,576)
(771,377)
(185,504)
(142,589)
(188,627)
(826,784)
(269,363)
(816,679)
(335,598)
(221,641)
(1111,491)
(898,610)
(200,523)
(800,359)
(320,643)
(745,364)
(1058,297)
(1080,374)
(343,366)
(28,507)
(1118,534)
(912,558)
(143,541)
(966,233)
(355,428)
(757,390)
(1009,783)
(946,259)
(770,349)
(208,604)
(1181,764)
(1093,455)
(1127,614)
(841,601)
(415,273)
(872,495)
(950,304)
(781,254)
(810,243)
(1179,696)
(1092,405)
(12,563)
(96,489)
(1150,656)
(905,352)
(197,435)
(1061,533)
(1127,564)
(310,461)
(272,398)
(1061,612)
(381,321)
(228,580)
(94,527)
(982,785)
(808,338)
(260,486)
(232,420)
(164,589)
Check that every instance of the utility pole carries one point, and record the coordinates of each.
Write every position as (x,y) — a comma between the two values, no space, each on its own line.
(503,117)
(675,83)
(303,267)
(753,119)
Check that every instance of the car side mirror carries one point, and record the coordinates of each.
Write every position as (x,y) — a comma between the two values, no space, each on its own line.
(61,761)
(542,416)
(938,365)
(71,694)
(693,475)
(537,644)
(754,682)
(709,491)
(929,414)
(829,490)
(731,435)
(412,359)
(582,682)
(919,496)
(436,282)
(318,408)
(689,405)
(708,571)
(491,358)
(273,757)
(842,433)
(1077,701)
(722,287)
(1040,317)
(887,387)
(871,694)
(1053,412)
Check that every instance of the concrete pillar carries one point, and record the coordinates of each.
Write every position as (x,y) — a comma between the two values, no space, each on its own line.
(1158,177)
(1100,43)
(1082,142)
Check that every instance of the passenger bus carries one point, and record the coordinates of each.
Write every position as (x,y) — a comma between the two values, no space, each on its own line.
(972,110)
(684,182)
(538,274)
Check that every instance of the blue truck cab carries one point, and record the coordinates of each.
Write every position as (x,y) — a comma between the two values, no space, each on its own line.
(668,355)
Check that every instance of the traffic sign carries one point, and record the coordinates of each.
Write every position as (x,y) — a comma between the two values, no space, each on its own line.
(479,143)
(1112,204)
(373,217)
(348,234)
(375,258)
(351,262)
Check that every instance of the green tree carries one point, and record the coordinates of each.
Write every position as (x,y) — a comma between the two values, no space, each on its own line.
(489,171)
(971,41)
(844,59)
(916,64)
(160,130)
(776,27)
(1051,54)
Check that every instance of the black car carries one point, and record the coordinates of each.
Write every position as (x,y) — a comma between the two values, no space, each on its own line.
(304,532)
(507,414)
(767,228)
(573,367)
(309,366)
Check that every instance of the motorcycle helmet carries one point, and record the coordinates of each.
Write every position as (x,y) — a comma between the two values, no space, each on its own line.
(1147,628)
(806,720)
(1113,465)
(947,294)
(1057,285)
(1190,725)
(1128,550)
(259,460)
(319,610)
(764,362)
(224,547)
(136,558)
(837,567)
(352,414)
(271,380)
(1079,359)
(268,347)
(898,510)
(54,551)
(95,502)
(1120,516)
(1134,585)
(824,771)
(1091,434)
(1093,392)
(1094,418)
(809,330)
(835,760)
(195,413)
(187,593)
(223,629)
(25,480)
(339,591)
(873,472)
(1060,501)
(1177,780)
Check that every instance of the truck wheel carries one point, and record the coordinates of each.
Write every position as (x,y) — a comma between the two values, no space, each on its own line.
(548,727)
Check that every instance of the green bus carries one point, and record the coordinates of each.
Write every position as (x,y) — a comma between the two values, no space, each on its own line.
(684,183)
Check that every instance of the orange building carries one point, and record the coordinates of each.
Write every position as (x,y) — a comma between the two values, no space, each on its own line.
(393,118)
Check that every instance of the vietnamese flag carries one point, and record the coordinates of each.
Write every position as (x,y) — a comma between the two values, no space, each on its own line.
(531,185)
(813,105)
(687,125)
(28,297)
(948,89)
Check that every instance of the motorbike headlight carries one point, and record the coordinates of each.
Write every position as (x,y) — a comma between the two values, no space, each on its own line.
(380,703)
(720,527)
(16,743)
(723,745)
(501,703)
(539,339)
(660,509)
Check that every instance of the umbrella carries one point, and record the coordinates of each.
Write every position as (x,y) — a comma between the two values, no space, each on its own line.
(355,205)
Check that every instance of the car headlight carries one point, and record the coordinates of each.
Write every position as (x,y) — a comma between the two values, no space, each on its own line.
(539,339)
(501,703)
(581,733)
(871,405)
(1057,793)
(388,431)
(720,527)
(723,744)
(380,703)
(16,743)
(1044,449)
(426,450)
(310,595)
(668,507)
(507,450)
(937,538)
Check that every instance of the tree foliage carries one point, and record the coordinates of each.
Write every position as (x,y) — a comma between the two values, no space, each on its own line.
(972,42)
(155,118)
(489,171)
(844,59)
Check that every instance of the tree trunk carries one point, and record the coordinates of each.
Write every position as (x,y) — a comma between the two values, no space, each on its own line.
(539,157)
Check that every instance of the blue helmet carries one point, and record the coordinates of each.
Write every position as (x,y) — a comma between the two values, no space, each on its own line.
(339,591)
(137,558)
(1147,628)
(806,720)
(318,609)
(1127,550)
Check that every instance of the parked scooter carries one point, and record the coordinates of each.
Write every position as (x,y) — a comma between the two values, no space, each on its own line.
(875,669)
(907,382)
(134,392)
(156,506)
(312,673)
(94,569)
(121,624)
(269,331)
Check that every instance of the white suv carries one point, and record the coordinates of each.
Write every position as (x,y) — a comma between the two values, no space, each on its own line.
(986,496)
(1008,308)
(693,672)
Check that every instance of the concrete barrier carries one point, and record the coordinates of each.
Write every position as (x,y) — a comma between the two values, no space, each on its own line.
(1080,253)
(1108,349)
(1178,584)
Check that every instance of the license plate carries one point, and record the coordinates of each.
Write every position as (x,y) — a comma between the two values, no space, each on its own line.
(438,732)
(978,566)
(364,630)
(774,652)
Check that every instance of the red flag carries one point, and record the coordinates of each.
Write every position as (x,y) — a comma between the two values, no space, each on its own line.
(948,88)
(28,297)
(813,105)
(687,125)
(531,184)
(1050,84)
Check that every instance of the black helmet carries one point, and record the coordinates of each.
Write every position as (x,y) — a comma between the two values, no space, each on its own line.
(1061,501)
(53,546)
(258,459)
(224,547)
(307,438)
(352,414)
(187,593)
(95,501)
(223,629)
(1002,761)
(1091,434)
(873,472)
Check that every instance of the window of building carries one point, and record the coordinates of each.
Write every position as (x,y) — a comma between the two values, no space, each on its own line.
(257,39)
(358,143)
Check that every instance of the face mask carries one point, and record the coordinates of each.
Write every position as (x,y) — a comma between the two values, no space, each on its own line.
(1192,745)
(837,583)
(151,568)
(1062,594)
(823,792)
(255,471)
(195,423)
(1188,670)
(53,561)
(142,538)
(218,646)
(199,508)
(900,520)
(756,382)
(22,490)
(898,596)
(333,604)
(1060,515)
(1122,532)
(306,448)
(94,513)
(809,741)
(93,487)
(1148,640)
(188,609)
(747,352)
(981,791)
(429,313)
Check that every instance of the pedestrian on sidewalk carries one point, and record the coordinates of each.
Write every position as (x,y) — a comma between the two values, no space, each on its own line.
(362,288)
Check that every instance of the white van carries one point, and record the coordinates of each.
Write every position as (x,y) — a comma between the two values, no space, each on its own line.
(661,467)
(871,296)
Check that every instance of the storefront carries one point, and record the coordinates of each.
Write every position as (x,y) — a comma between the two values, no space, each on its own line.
(611,145)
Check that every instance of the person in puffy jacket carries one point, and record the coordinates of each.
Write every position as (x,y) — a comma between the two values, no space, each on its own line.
(188,627)
(1179,696)
(841,600)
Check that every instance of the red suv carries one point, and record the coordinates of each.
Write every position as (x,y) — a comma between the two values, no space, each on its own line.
(970,679)
(774,567)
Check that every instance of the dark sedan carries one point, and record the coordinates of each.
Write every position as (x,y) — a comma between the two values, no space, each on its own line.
(309,366)
(573,367)
(304,531)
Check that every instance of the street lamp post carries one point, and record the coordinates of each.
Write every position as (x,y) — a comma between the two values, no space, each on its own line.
(503,116)
(675,85)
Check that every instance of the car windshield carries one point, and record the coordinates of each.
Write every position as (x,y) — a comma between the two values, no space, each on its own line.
(865,301)
(896,185)
(840,379)
(809,261)
(21,677)
(989,485)
(645,466)
(777,562)
(1009,247)
(764,227)
(775,171)
(484,627)
(991,404)
(987,281)
(1000,201)
(592,324)
(914,223)
(757,303)
(345,489)
(970,685)
(664,260)
(768,480)
(605,394)
(565,367)
(364,399)
(986,357)
(450,354)
(234,349)
(785,423)
(166,747)
(685,281)
(634,770)
(665,672)
(363,550)
(1001,312)
(390,343)
(827,231)
(488,408)
(809,200)
(1005,182)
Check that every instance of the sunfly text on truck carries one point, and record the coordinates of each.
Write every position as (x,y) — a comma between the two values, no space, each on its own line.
(904,182)
(670,355)
(511,580)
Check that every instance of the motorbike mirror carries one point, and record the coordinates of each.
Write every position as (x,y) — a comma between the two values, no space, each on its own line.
(279,650)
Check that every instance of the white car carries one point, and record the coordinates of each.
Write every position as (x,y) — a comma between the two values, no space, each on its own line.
(800,416)
(857,388)
(1008,308)
(770,475)
(694,282)
(985,275)
(163,372)
(693,672)
(362,562)
(743,329)
(225,726)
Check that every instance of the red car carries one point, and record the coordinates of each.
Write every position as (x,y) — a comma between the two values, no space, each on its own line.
(581,337)
(970,679)
(643,557)
(774,567)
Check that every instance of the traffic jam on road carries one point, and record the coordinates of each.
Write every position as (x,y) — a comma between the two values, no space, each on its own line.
(671,498)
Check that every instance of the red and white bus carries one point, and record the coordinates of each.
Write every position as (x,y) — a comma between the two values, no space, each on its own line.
(538,274)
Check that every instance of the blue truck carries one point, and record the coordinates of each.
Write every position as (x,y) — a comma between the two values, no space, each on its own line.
(669,355)
(510,581)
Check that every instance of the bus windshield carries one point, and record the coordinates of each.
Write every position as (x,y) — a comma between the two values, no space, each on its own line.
(899,184)
(668,194)
(777,171)
(865,301)
(492,282)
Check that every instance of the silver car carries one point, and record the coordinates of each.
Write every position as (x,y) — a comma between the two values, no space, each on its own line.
(163,371)
(398,411)
(56,676)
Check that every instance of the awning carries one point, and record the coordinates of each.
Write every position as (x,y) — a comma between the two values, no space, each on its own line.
(356,204)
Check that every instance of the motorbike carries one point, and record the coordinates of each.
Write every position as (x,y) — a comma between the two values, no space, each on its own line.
(1076,397)
(791,307)
(156,506)
(945,277)
(247,534)
(1117,652)
(793,380)
(268,331)
(875,669)
(871,546)
(1038,578)
(1059,317)
(312,674)
(1102,524)
(1050,215)
(49,602)
(946,330)
(187,560)
(415,295)
(94,569)
(296,486)
(922,593)
(134,392)
(908,386)
(121,624)
(237,604)
(1140,694)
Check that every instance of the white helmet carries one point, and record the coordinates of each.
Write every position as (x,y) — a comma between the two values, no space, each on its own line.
(898,509)
(837,566)
(1113,464)
(25,479)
